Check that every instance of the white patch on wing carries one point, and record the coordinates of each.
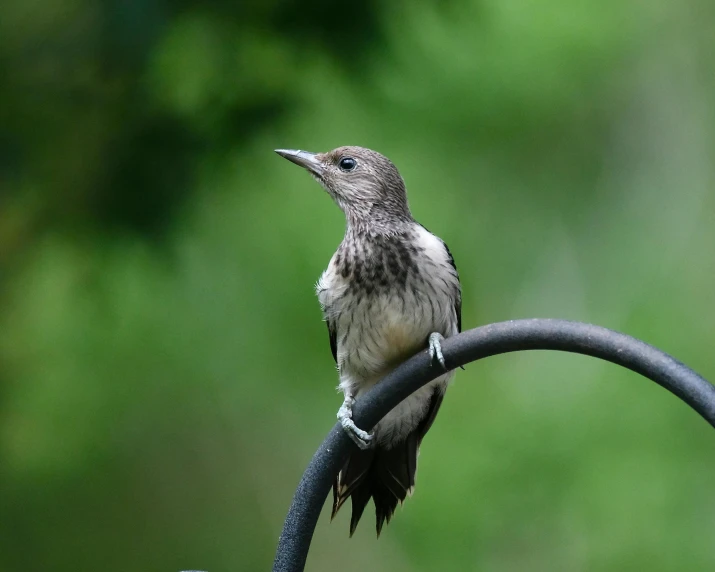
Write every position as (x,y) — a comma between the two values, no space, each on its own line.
(434,247)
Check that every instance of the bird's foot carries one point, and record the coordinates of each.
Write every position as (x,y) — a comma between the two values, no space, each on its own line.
(362,439)
(435,348)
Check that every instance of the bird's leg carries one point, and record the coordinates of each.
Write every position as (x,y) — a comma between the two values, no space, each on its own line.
(435,348)
(361,438)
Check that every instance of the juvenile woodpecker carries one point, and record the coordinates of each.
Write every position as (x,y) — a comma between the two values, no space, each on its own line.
(390,290)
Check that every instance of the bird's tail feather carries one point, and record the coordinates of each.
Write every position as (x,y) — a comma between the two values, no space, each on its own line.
(385,475)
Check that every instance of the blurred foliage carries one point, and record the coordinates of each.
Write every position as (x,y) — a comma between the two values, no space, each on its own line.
(164,372)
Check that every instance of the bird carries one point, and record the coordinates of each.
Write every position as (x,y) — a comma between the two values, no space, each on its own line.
(391,290)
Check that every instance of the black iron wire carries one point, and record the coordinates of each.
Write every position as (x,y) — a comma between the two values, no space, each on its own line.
(494,339)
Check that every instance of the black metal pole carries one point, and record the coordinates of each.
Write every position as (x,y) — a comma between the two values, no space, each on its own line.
(494,339)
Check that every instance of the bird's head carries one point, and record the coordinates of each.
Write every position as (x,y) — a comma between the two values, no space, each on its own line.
(365,184)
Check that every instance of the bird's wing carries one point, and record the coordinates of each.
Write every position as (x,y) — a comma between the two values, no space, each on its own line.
(438,395)
(434,404)
(458,295)
(322,289)
(333,334)
(458,292)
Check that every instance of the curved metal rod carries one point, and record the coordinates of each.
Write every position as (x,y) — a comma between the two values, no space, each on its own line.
(458,350)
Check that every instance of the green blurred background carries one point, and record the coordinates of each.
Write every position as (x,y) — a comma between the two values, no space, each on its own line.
(164,373)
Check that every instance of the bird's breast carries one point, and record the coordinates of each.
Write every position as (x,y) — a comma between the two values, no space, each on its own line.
(397,342)
(384,300)
(376,334)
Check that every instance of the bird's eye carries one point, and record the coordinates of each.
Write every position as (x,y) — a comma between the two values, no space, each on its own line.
(347,164)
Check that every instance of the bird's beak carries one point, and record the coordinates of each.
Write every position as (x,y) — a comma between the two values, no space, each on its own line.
(305,159)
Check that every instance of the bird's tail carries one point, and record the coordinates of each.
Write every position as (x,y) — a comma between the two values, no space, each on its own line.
(385,475)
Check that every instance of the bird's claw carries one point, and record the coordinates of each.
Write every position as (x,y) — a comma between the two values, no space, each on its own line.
(435,348)
(362,439)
